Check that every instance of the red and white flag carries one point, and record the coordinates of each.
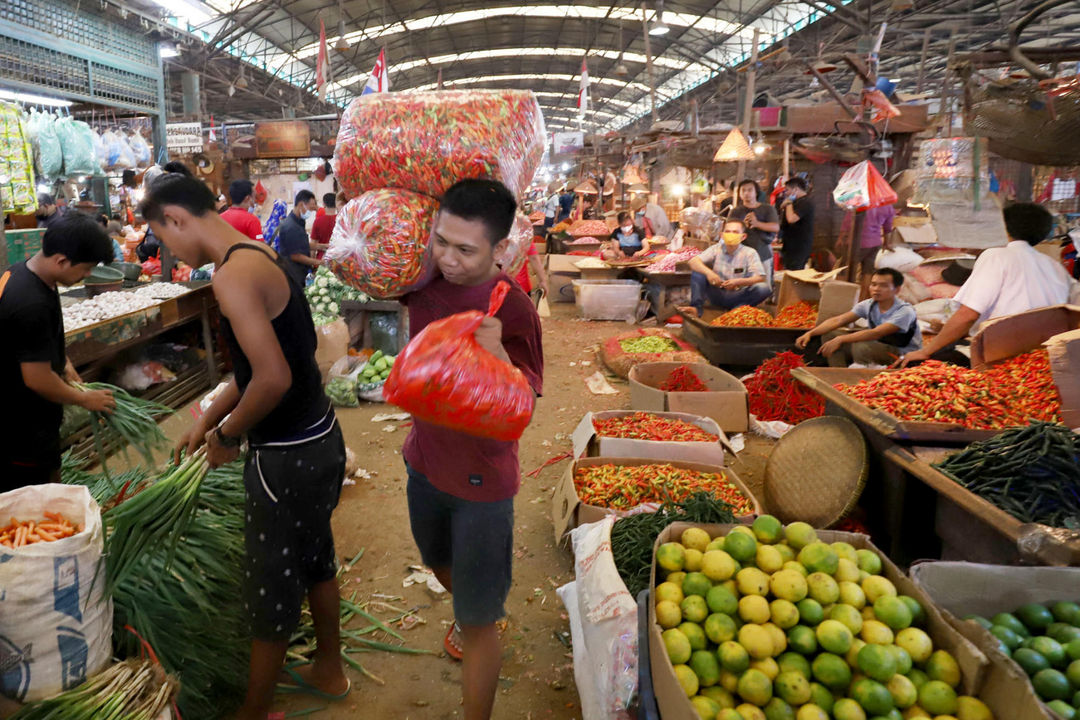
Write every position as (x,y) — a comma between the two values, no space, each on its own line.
(380,76)
(583,91)
(322,63)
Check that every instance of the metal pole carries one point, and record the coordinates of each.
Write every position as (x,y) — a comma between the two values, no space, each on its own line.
(648,62)
(747,109)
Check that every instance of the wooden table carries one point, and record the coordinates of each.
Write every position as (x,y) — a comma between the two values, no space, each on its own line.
(659,285)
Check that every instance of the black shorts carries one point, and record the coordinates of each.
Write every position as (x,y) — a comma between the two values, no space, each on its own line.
(291,493)
(474,540)
(17,472)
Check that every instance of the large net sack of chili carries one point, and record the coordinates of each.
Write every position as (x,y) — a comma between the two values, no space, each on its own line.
(516,252)
(427,141)
(381,243)
(645,345)
(444,377)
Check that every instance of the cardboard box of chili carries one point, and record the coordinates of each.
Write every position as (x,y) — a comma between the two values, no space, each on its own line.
(962,588)
(588,441)
(569,511)
(673,703)
(1057,329)
(725,399)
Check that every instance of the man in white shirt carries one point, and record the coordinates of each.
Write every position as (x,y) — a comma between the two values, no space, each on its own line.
(736,276)
(1005,281)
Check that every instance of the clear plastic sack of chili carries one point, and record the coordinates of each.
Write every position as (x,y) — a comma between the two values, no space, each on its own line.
(444,377)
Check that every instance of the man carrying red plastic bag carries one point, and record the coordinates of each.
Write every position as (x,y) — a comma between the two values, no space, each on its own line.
(470,380)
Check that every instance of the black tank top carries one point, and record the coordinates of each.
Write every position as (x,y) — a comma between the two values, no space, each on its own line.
(304,405)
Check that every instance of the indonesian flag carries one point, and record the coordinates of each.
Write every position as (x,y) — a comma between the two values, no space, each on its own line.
(321,63)
(380,77)
(583,91)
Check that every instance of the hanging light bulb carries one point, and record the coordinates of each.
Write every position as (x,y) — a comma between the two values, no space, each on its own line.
(658,26)
(621,70)
(342,44)
(241,81)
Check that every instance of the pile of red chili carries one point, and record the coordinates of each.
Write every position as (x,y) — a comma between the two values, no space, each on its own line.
(622,486)
(745,316)
(683,379)
(800,315)
(647,426)
(1012,393)
(775,395)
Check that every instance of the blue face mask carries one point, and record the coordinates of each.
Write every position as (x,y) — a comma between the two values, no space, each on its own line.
(308,215)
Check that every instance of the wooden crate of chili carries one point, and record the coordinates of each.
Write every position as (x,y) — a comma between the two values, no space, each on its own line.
(656,435)
(615,485)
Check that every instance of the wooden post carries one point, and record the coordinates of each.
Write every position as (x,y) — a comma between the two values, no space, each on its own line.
(785,166)
(748,111)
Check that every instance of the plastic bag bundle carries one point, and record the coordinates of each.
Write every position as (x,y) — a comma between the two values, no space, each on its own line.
(100,151)
(427,141)
(140,149)
(517,247)
(861,187)
(444,377)
(77,144)
(117,151)
(381,242)
(17,193)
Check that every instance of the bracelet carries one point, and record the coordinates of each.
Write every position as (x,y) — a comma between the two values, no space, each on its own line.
(225,440)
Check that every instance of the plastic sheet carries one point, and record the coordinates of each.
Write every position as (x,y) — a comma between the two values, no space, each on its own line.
(517,248)
(77,144)
(427,141)
(444,377)
(381,242)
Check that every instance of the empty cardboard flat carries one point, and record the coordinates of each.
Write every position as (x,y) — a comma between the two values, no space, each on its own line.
(726,400)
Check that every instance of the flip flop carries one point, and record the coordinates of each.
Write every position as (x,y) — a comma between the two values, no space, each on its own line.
(302,687)
(448,643)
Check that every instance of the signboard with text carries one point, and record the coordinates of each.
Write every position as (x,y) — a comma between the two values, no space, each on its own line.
(184,137)
(285,139)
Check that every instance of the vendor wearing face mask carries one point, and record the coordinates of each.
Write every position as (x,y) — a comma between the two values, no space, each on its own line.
(736,276)
(293,242)
(630,240)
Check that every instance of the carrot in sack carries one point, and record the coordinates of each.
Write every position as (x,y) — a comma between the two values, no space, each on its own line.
(444,377)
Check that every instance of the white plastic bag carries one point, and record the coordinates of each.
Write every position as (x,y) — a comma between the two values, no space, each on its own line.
(55,621)
(140,149)
(603,625)
(901,258)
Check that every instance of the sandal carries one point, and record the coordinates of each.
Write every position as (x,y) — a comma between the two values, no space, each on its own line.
(452,642)
(303,687)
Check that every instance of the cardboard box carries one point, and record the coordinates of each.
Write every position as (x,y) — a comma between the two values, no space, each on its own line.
(588,443)
(1056,328)
(833,297)
(673,702)
(726,401)
(568,511)
(961,588)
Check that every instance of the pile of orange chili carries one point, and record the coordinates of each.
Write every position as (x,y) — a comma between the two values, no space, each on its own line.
(745,316)
(624,486)
(647,426)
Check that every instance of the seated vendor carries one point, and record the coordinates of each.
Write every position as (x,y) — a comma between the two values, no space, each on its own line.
(628,241)
(736,276)
(894,327)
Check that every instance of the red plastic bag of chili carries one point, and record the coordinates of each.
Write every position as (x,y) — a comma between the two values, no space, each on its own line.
(444,377)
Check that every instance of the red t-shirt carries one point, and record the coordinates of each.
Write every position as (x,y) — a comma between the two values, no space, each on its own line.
(244,222)
(465,466)
(523,274)
(322,228)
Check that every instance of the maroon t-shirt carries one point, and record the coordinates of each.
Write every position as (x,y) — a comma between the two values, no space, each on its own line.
(469,467)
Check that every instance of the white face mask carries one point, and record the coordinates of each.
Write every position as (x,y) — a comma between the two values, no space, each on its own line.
(627,228)
(308,215)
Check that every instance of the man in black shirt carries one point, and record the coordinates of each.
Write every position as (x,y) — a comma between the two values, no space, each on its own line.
(48,211)
(34,371)
(796,224)
(292,240)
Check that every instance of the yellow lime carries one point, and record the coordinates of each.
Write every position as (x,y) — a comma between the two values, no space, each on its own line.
(754,609)
(868,613)
(834,636)
(794,662)
(757,641)
(785,551)
(853,595)
(695,538)
(811,712)
(903,691)
(669,591)
(796,566)
(752,581)
(822,587)
(677,646)
(943,666)
(847,571)
(768,559)
(969,708)
(755,687)
(706,708)
(792,687)
(694,608)
(717,565)
(788,585)
(819,557)
(729,680)
(917,643)
(676,577)
(852,655)
(695,634)
(768,666)
(779,638)
(903,660)
(733,657)
(720,628)
(671,556)
(740,546)
(892,611)
(767,529)
(877,633)
(730,586)
(783,614)
(914,712)
(750,712)
(799,535)
(831,671)
(937,698)
(693,560)
(706,667)
(848,615)
(668,614)
(868,561)
(844,550)
(719,695)
(848,709)
(877,663)
(688,681)
(877,586)
(802,640)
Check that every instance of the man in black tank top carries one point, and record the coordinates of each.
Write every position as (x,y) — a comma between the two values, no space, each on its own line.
(296,459)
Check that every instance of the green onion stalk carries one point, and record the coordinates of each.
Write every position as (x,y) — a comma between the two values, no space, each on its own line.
(131,690)
(133,422)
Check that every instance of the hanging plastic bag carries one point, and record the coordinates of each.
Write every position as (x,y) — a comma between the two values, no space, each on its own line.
(140,149)
(516,253)
(444,377)
(50,156)
(861,187)
(100,151)
(381,242)
(77,144)
(117,152)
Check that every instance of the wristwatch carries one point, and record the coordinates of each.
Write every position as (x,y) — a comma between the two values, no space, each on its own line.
(225,440)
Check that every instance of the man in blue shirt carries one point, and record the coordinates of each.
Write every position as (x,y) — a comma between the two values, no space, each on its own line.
(728,274)
(894,327)
(292,239)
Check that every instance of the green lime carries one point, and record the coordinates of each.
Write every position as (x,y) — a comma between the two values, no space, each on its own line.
(1050,649)
(1007,636)
(872,696)
(1073,673)
(937,698)
(1035,617)
(832,671)
(733,656)
(903,659)
(694,634)
(767,529)
(1010,621)
(1051,685)
(1072,649)
(877,662)
(1063,632)
(821,696)
(918,677)
(792,687)
(802,639)
(721,600)
(979,620)
(1030,660)
(777,709)
(720,628)
(1063,709)
(706,667)
(918,615)
(810,612)
(1066,612)
(696,583)
(740,546)
(794,662)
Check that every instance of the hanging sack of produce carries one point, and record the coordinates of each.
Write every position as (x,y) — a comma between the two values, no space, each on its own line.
(118,151)
(861,187)
(624,351)
(55,620)
(444,377)
(17,190)
(47,152)
(101,153)
(513,257)
(140,149)
(382,241)
(427,141)
(77,143)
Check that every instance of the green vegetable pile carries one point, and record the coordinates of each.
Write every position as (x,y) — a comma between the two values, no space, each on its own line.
(132,690)
(1032,473)
(325,295)
(632,538)
(651,344)
(342,392)
(376,371)
(133,422)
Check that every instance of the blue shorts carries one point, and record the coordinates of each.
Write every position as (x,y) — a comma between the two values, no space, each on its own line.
(474,540)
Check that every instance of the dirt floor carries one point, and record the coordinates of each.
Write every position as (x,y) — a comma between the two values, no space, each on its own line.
(537,679)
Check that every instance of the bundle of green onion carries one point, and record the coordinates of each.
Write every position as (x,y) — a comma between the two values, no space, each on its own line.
(131,690)
(133,422)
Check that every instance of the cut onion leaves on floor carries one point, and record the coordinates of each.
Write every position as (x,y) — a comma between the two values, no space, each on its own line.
(133,423)
(131,690)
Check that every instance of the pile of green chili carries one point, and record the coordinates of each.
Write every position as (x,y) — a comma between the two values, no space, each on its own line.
(1032,473)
